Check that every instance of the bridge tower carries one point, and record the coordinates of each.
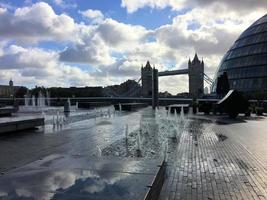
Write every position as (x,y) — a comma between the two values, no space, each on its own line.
(146,76)
(155,88)
(196,77)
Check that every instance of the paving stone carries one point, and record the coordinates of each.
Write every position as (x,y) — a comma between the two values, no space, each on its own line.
(213,169)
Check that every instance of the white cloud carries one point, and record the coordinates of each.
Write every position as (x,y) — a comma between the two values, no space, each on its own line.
(95,15)
(37,66)
(237,5)
(96,53)
(98,43)
(58,2)
(134,5)
(64,5)
(34,23)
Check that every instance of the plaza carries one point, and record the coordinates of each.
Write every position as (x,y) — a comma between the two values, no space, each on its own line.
(90,107)
(206,157)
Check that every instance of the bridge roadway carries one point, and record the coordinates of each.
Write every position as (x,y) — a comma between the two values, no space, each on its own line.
(173,72)
(113,100)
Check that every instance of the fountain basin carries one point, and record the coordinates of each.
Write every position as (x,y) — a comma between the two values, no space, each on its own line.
(13,124)
(6,111)
(178,108)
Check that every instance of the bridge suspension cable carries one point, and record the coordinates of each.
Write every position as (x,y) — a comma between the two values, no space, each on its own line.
(208,79)
(133,90)
(128,93)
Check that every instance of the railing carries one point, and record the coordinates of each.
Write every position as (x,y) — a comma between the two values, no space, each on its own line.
(128,98)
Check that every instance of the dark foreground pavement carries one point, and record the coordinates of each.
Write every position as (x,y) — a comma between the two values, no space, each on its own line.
(80,177)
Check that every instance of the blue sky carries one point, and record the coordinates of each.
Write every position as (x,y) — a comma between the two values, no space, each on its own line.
(102,42)
(147,17)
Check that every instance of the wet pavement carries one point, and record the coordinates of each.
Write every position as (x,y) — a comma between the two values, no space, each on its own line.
(216,160)
(80,177)
(250,132)
(80,138)
(209,157)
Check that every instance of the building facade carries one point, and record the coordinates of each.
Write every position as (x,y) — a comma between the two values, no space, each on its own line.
(8,90)
(246,61)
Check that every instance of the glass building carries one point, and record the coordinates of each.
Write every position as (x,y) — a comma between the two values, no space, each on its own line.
(246,61)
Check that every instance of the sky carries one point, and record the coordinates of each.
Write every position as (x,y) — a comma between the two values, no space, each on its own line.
(63,43)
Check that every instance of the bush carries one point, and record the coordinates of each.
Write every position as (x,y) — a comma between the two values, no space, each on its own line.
(259,110)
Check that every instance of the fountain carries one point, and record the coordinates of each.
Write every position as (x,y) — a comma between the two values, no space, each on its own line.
(168,113)
(33,101)
(156,111)
(175,114)
(182,113)
(120,108)
(126,132)
(138,143)
(109,113)
(41,100)
(99,150)
(95,114)
(27,99)
(48,99)
(114,112)
(61,121)
(54,122)
(165,156)
(57,122)
(43,114)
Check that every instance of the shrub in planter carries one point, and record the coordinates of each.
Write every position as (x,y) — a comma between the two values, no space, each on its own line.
(206,108)
(247,113)
(194,105)
(259,110)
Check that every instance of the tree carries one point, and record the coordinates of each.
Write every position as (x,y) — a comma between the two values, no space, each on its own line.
(21,92)
(223,85)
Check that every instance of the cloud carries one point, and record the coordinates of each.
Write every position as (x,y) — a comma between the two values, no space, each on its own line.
(38,66)
(237,5)
(116,50)
(35,23)
(95,15)
(210,36)
(64,5)
(98,43)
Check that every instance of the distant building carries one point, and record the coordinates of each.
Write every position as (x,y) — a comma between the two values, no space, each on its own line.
(165,94)
(8,90)
(75,92)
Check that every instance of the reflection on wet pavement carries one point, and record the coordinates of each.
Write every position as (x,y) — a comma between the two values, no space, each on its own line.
(90,184)
(90,178)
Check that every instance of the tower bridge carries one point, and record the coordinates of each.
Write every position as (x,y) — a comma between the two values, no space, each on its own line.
(174,72)
(195,71)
